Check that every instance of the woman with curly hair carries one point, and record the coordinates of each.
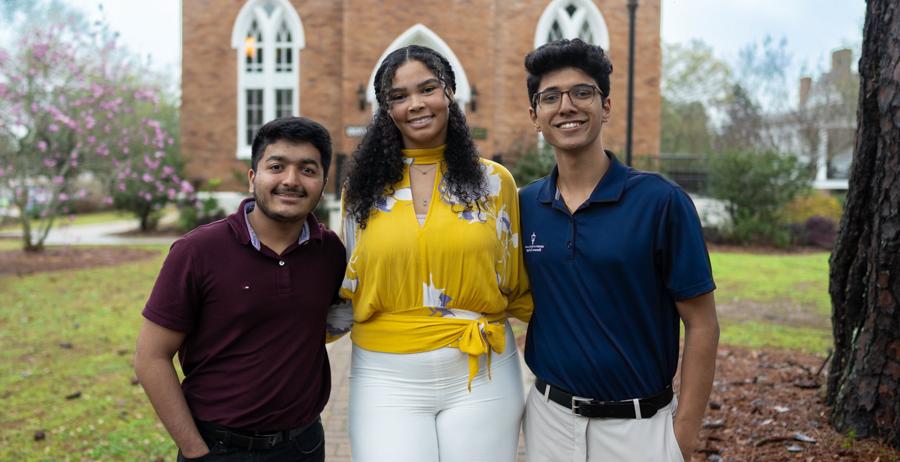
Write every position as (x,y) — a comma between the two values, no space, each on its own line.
(434,269)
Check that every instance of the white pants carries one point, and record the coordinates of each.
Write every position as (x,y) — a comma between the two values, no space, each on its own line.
(554,434)
(417,408)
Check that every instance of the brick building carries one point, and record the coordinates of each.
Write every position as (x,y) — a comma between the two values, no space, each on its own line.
(248,61)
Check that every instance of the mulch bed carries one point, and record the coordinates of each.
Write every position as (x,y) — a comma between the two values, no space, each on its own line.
(20,263)
(768,405)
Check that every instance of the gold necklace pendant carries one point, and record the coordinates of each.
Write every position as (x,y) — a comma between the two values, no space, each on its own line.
(424,172)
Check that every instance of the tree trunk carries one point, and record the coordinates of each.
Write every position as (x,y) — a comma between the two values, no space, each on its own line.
(864,377)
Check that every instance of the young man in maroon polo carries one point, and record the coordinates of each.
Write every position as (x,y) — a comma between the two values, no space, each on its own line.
(243,301)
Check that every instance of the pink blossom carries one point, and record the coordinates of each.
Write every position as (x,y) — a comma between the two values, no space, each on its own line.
(58,180)
(171,194)
(167,170)
(147,197)
(63,197)
(121,187)
(186,187)
(40,50)
(42,146)
(49,163)
(107,200)
(147,178)
(53,128)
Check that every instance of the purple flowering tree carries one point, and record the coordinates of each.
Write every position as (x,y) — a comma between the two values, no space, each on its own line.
(147,166)
(72,106)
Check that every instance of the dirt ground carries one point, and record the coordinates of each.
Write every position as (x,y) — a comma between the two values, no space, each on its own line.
(67,258)
(766,405)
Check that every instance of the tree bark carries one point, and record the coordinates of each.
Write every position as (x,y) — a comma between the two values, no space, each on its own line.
(864,377)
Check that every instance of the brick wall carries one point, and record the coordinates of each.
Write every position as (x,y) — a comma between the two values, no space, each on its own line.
(345,38)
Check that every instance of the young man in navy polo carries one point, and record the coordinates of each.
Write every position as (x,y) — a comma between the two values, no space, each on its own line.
(616,258)
(243,301)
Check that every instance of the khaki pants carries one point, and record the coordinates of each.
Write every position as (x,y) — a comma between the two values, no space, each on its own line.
(554,434)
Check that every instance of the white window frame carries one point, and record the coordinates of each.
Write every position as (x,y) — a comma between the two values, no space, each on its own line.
(421,35)
(268,80)
(585,11)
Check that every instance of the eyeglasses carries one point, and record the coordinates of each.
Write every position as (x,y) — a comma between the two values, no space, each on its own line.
(581,95)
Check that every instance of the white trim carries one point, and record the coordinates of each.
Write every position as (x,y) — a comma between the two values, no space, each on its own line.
(421,35)
(586,11)
(268,80)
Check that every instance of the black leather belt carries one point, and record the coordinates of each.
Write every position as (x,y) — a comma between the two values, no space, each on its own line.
(250,441)
(587,407)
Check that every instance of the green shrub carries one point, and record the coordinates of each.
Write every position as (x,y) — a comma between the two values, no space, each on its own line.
(816,203)
(755,187)
(536,162)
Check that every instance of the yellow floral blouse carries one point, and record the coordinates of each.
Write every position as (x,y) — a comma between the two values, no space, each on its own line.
(404,278)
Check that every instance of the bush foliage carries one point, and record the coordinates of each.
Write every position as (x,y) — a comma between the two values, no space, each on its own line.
(756,187)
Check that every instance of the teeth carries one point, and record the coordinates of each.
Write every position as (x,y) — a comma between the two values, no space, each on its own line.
(570,125)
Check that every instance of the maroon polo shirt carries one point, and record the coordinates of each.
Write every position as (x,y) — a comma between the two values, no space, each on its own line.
(254,352)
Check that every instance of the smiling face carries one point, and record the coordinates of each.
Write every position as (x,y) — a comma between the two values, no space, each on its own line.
(288,181)
(571,128)
(419,106)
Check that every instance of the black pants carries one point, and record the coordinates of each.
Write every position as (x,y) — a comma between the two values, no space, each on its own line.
(309,446)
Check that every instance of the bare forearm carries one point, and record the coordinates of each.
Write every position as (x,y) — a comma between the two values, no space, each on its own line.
(160,382)
(698,369)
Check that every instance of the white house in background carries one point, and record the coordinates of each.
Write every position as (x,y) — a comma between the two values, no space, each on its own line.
(822,129)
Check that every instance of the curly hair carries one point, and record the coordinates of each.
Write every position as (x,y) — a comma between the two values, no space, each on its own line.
(378,161)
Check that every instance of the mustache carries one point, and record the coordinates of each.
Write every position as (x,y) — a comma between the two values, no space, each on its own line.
(301,192)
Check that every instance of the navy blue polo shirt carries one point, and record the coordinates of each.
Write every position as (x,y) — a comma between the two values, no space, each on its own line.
(605,280)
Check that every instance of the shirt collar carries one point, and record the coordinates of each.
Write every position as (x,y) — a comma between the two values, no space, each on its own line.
(608,189)
(311,229)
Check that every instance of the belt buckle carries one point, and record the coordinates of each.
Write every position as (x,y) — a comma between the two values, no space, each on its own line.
(269,439)
(577,402)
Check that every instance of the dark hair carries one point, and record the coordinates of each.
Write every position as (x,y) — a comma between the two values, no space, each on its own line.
(564,53)
(294,130)
(378,160)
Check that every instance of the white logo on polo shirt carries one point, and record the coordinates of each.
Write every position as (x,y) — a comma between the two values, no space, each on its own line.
(534,247)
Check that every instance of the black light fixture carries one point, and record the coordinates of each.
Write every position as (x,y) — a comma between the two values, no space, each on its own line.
(361,97)
(473,100)
(632,8)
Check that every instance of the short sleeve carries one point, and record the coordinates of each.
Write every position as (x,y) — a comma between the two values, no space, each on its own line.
(681,250)
(174,301)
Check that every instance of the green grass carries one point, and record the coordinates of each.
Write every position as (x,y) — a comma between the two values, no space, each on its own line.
(753,334)
(98,312)
(798,278)
(82,219)
(767,286)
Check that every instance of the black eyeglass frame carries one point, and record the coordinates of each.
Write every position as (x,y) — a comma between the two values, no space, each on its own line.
(535,99)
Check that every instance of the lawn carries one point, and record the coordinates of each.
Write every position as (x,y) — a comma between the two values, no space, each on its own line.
(774,300)
(63,333)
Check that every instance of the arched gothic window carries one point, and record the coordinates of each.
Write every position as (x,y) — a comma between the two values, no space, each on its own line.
(421,35)
(267,36)
(570,19)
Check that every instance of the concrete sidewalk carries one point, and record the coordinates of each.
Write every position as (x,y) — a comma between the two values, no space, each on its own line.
(108,233)
(335,416)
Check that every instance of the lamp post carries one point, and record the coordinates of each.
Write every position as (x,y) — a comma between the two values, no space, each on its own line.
(632,9)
